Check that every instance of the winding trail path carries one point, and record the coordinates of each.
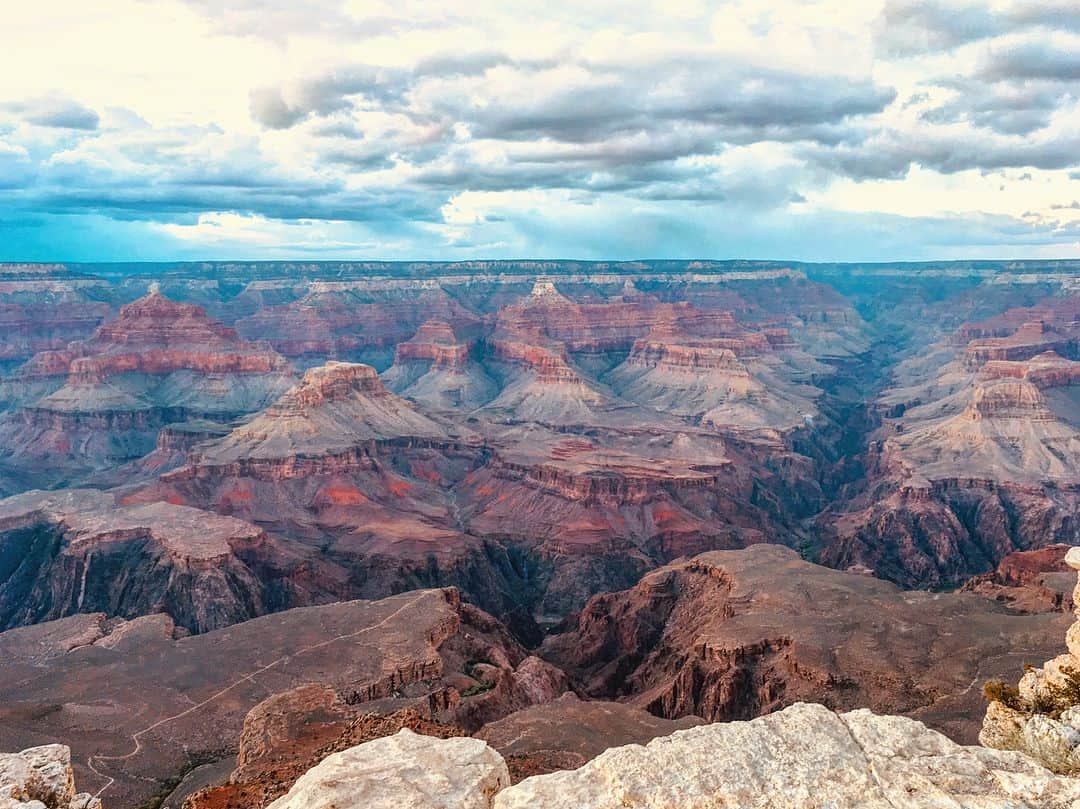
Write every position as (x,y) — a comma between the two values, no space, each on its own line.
(249,677)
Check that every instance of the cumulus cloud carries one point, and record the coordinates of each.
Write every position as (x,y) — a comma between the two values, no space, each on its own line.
(457,128)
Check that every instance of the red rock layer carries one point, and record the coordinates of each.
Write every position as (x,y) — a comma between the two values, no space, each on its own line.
(334,321)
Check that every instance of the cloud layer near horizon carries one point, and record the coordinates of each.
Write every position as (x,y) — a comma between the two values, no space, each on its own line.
(812,129)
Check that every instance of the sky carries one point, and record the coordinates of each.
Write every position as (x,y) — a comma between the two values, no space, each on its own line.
(828,130)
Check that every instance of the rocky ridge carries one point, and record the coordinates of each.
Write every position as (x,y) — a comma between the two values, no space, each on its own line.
(1041,717)
(787,760)
(83,550)
(41,778)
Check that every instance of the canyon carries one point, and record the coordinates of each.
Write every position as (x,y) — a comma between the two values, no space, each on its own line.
(255,515)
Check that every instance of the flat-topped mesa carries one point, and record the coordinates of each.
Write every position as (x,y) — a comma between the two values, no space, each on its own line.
(1057,313)
(437,369)
(1009,398)
(1027,341)
(548,362)
(544,292)
(687,357)
(333,382)
(1041,717)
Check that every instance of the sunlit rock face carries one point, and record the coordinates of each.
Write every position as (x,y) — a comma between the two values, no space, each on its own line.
(41,777)
(787,760)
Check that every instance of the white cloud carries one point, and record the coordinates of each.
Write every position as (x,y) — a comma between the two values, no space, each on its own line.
(423,126)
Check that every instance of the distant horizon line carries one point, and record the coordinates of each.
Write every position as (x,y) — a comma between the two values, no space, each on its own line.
(527,259)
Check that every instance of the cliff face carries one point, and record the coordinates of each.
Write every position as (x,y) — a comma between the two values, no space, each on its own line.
(43,308)
(41,777)
(137,703)
(101,402)
(735,634)
(351,321)
(83,551)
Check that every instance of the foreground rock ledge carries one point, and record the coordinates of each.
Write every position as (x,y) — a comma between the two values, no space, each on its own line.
(804,757)
(1041,716)
(41,778)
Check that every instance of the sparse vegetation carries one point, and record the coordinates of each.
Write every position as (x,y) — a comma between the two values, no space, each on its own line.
(1055,700)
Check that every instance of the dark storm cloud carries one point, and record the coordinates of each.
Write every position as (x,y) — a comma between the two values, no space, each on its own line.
(171,203)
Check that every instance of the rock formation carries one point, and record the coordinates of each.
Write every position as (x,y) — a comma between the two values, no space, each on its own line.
(567,732)
(977,455)
(139,706)
(735,634)
(436,369)
(351,321)
(101,402)
(1029,581)
(41,778)
(43,308)
(793,759)
(403,770)
(85,551)
(1042,716)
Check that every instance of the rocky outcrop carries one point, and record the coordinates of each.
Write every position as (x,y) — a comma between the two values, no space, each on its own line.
(1029,581)
(41,778)
(735,634)
(335,408)
(567,732)
(977,456)
(45,307)
(352,321)
(85,551)
(733,379)
(403,770)
(788,760)
(1041,717)
(139,705)
(438,370)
